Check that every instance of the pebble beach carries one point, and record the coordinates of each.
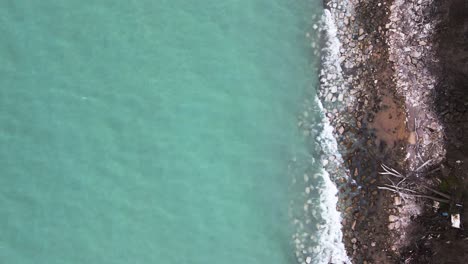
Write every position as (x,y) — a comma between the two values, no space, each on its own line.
(379,76)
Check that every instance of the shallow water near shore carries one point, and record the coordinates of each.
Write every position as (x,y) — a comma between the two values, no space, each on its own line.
(156,132)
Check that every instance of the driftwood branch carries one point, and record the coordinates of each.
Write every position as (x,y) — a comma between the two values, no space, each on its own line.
(396,188)
(435,191)
(424,164)
(413,194)
(416,127)
(390,171)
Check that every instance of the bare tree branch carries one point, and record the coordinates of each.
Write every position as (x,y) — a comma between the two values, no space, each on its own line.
(424,164)
(435,191)
(396,188)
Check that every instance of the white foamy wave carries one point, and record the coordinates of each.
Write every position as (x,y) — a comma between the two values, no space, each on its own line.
(330,233)
(333,86)
(318,237)
(326,244)
(331,58)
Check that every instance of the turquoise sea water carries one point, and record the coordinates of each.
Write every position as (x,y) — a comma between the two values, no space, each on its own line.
(150,131)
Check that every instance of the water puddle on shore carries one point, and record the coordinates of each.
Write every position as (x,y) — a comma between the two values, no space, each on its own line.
(390,124)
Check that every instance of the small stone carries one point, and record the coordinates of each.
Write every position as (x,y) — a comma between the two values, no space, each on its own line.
(340,97)
(392,218)
(373,244)
(353,240)
(391,226)
(416,54)
(341,130)
(308,260)
(361,31)
(397,225)
(412,138)
(397,200)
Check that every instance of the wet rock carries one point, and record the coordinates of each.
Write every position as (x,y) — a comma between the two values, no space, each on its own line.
(340,97)
(346,21)
(341,130)
(348,65)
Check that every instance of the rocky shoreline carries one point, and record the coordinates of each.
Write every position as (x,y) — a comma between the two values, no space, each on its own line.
(385,90)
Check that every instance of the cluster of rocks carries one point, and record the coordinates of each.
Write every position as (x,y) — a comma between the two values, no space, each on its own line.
(383,93)
(377,90)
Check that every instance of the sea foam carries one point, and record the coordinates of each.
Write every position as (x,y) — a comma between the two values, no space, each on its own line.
(320,217)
